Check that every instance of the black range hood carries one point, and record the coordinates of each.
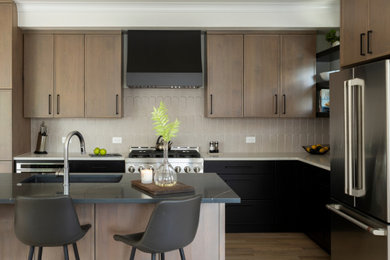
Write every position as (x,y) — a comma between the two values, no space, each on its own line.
(164,59)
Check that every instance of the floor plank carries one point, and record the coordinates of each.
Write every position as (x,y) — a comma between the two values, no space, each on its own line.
(272,246)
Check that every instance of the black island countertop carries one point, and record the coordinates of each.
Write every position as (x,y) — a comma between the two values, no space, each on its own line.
(212,188)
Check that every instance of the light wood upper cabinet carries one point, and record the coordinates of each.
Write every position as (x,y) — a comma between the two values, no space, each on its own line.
(38,75)
(353,31)
(5,46)
(224,76)
(364,31)
(6,124)
(298,63)
(378,28)
(261,75)
(69,75)
(103,89)
(72,74)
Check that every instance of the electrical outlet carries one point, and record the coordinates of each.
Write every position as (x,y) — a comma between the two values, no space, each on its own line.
(250,139)
(117,140)
(64,138)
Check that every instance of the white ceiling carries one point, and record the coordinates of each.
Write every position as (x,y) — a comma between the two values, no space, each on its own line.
(200,14)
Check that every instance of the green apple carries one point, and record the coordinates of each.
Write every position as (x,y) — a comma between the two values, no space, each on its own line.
(103,151)
(96,151)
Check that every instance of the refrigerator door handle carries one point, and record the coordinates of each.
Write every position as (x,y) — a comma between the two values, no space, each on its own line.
(354,185)
(336,208)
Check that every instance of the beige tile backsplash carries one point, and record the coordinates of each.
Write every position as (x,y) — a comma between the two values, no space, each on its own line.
(135,128)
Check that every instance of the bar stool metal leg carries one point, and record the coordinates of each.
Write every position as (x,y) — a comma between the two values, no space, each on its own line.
(76,251)
(153,256)
(31,253)
(162,256)
(132,253)
(66,254)
(40,253)
(183,257)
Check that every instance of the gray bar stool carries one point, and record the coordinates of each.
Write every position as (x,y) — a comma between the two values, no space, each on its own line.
(172,226)
(48,222)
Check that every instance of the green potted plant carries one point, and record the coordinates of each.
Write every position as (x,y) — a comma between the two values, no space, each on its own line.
(165,175)
(333,37)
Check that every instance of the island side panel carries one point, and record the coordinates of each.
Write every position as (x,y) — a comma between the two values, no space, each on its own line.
(10,247)
(209,243)
(85,246)
(119,219)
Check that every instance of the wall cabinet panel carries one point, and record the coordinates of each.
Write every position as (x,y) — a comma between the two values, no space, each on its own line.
(5,45)
(298,71)
(103,89)
(6,124)
(224,76)
(38,75)
(69,75)
(261,75)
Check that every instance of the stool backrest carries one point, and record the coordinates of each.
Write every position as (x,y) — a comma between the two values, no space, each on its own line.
(46,221)
(173,224)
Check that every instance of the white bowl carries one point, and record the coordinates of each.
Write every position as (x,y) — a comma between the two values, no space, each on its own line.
(325,75)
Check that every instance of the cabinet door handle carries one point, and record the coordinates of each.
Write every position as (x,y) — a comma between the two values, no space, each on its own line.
(58,104)
(369,33)
(284,104)
(276,104)
(49,104)
(211,104)
(361,44)
(117,104)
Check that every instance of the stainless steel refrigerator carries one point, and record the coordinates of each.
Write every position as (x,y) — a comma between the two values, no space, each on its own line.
(360,165)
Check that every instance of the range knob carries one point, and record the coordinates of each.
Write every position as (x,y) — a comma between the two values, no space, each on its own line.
(151,168)
(131,169)
(187,169)
(177,169)
(196,169)
(140,168)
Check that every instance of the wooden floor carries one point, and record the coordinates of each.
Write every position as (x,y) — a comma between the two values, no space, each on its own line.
(272,246)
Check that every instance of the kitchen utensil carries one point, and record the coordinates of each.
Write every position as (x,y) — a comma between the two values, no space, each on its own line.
(160,145)
(41,141)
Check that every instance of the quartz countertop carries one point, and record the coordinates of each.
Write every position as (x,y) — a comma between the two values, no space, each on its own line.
(209,185)
(321,161)
(53,156)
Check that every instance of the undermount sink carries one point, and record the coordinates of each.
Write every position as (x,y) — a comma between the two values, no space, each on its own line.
(112,178)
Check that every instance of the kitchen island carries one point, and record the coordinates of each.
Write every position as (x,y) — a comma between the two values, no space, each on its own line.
(118,208)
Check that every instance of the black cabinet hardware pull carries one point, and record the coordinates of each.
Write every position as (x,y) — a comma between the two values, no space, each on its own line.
(211,104)
(58,104)
(117,105)
(284,104)
(276,104)
(49,104)
(361,44)
(369,33)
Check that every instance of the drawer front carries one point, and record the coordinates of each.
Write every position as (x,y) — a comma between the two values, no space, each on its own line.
(251,186)
(240,167)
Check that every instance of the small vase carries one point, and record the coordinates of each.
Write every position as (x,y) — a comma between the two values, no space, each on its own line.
(165,175)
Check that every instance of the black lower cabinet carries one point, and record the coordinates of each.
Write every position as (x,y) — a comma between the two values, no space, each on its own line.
(277,196)
(314,197)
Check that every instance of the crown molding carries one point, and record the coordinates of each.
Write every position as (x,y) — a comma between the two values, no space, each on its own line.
(199,14)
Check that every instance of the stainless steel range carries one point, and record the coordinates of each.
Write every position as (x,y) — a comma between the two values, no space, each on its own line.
(183,159)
